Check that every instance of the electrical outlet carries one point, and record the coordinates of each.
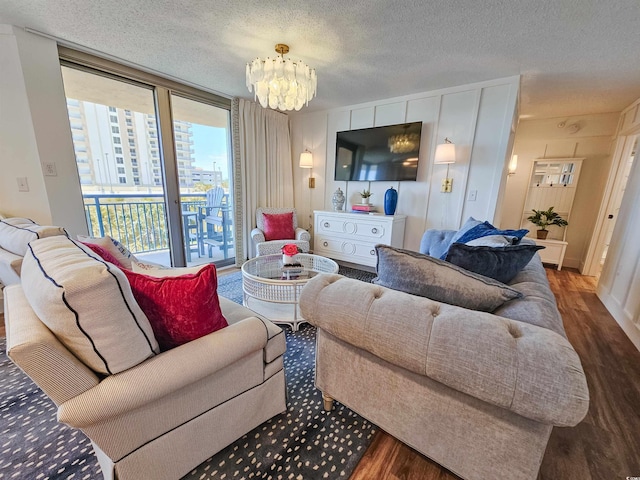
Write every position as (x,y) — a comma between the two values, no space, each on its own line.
(50,169)
(473,195)
(23,184)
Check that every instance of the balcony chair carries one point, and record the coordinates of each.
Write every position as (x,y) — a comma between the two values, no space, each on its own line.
(218,221)
(269,242)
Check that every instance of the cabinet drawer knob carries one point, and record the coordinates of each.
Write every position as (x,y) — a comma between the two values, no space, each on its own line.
(326,244)
(325,224)
(372,252)
(374,230)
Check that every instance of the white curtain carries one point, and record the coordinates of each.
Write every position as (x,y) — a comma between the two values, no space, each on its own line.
(263,172)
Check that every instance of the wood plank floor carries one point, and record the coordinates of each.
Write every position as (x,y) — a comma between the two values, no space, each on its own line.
(604,446)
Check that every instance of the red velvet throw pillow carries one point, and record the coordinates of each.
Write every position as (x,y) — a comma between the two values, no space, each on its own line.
(278,226)
(180,309)
(104,254)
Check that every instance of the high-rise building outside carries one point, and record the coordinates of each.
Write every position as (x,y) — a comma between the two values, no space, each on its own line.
(118,150)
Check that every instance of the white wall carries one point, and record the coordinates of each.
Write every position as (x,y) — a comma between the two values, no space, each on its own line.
(543,138)
(477,118)
(619,285)
(34,128)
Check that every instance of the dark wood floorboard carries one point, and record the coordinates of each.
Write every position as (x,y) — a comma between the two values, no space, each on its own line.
(604,446)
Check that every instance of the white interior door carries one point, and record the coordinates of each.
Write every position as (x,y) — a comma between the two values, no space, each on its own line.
(623,156)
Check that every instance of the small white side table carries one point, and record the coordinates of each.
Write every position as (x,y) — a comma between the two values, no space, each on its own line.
(554,251)
(263,280)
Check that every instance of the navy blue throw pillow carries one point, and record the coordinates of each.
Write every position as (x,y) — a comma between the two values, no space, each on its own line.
(486,228)
(499,263)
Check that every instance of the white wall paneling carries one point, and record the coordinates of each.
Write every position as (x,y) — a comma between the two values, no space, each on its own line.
(476,117)
(362,118)
(458,112)
(487,172)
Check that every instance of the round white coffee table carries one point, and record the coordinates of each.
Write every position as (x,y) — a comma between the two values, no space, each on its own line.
(265,280)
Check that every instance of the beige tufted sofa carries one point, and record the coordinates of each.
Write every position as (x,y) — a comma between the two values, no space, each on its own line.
(477,392)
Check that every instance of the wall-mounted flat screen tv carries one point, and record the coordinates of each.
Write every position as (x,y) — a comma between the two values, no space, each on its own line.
(379,154)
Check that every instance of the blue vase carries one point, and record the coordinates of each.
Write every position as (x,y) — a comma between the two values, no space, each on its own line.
(390,201)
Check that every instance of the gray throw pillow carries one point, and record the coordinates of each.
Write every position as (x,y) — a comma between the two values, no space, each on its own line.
(499,263)
(426,276)
(493,241)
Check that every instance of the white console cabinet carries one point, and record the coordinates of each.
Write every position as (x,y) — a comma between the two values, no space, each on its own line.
(352,237)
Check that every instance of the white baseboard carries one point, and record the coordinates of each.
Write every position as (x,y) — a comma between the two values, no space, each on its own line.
(626,323)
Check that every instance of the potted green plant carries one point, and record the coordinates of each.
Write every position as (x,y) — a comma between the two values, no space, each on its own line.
(544,218)
(365,194)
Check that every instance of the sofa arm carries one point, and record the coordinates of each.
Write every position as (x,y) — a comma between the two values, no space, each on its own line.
(530,370)
(10,267)
(303,235)
(37,351)
(164,374)
(257,236)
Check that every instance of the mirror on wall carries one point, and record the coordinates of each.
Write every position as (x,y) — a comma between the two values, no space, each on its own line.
(552,183)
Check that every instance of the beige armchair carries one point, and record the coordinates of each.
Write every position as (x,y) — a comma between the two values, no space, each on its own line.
(300,237)
(165,416)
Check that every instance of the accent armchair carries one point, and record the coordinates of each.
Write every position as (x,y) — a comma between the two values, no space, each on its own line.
(268,241)
(164,416)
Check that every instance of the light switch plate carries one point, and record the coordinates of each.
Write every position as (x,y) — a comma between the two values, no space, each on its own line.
(23,184)
(473,195)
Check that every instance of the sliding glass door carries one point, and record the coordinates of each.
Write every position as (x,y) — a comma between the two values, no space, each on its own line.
(147,160)
(201,135)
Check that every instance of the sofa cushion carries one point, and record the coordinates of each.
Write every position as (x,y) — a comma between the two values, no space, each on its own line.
(430,277)
(87,303)
(180,308)
(499,263)
(278,226)
(16,233)
(113,246)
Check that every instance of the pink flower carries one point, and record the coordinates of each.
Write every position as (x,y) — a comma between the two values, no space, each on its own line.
(290,249)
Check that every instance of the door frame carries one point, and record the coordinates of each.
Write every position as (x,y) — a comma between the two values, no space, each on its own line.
(622,150)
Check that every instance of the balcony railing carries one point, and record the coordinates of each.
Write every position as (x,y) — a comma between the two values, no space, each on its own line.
(138,221)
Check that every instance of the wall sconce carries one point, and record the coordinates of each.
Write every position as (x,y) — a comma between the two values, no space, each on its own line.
(513,165)
(446,154)
(306,161)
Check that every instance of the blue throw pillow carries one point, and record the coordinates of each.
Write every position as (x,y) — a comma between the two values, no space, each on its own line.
(468,225)
(485,229)
(499,263)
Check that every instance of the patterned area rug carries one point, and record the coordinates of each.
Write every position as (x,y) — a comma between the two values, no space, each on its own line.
(305,442)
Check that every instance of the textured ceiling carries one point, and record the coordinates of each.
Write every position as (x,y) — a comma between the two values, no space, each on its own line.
(575,56)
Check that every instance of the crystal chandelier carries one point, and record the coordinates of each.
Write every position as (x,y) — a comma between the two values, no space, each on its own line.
(404,142)
(281,83)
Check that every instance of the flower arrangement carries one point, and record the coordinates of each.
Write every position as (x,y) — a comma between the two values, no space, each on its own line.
(290,249)
(288,252)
